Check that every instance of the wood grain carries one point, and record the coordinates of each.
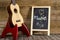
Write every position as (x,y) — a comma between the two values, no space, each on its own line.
(25,9)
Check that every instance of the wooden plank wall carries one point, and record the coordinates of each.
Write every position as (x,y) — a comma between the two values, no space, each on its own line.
(25,9)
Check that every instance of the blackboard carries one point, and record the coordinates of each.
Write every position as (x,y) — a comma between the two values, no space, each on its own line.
(40,18)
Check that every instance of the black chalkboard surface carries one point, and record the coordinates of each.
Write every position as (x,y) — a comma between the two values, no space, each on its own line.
(40,19)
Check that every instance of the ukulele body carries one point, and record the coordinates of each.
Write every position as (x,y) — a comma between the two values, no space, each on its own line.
(14,15)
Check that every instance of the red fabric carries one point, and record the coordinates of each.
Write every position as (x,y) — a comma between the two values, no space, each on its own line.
(24,30)
(14,31)
(8,29)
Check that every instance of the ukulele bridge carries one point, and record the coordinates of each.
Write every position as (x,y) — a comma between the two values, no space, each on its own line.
(17,20)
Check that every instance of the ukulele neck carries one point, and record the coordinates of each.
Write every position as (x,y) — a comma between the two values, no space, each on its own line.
(13,2)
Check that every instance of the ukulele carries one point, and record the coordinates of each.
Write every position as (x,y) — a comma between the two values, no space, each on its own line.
(15,21)
(15,16)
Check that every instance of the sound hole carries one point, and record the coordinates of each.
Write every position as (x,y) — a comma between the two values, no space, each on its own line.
(15,10)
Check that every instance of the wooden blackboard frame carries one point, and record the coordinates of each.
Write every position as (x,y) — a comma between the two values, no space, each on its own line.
(48,30)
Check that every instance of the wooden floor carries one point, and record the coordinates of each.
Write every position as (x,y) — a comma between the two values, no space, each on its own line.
(34,37)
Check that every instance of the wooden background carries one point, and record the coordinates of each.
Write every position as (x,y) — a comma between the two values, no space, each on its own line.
(25,9)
